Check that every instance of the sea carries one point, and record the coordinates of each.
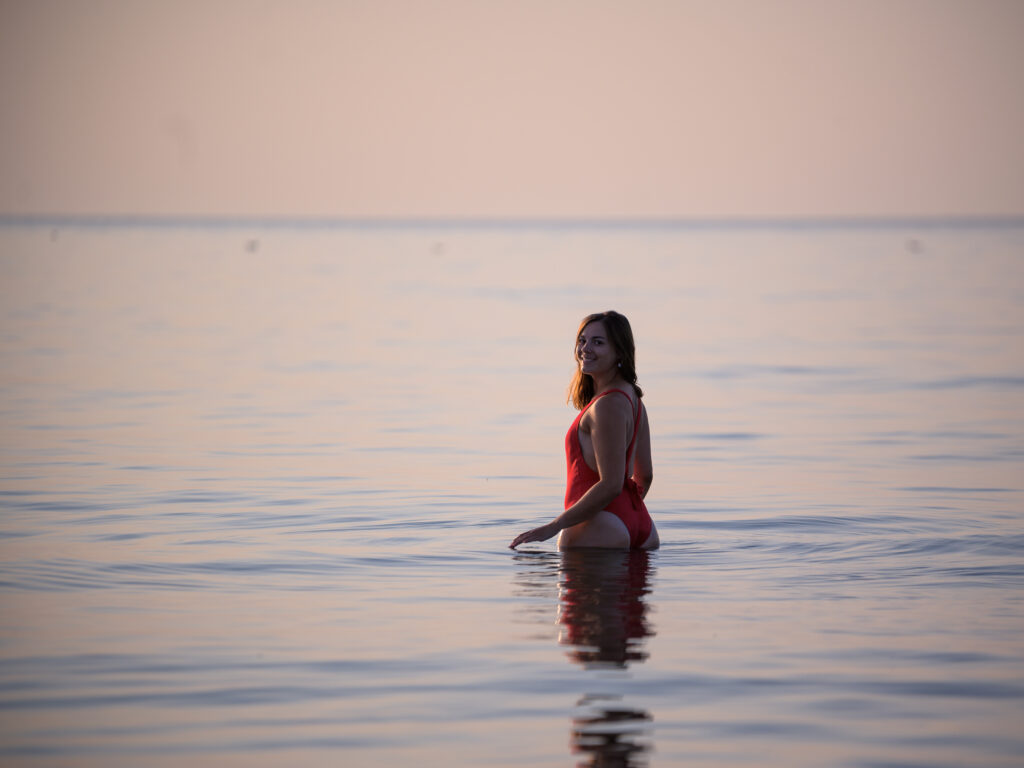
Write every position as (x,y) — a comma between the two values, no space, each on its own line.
(258,479)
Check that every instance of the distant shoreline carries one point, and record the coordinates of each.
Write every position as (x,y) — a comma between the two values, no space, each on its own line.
(139,221)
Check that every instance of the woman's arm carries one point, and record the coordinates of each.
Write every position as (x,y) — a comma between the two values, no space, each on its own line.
(608,433)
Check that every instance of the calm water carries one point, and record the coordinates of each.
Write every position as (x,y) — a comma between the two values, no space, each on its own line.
(257,484)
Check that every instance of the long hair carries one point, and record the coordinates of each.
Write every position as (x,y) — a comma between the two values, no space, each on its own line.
(620,336)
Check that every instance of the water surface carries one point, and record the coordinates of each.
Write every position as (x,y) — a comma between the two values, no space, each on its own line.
(257,484)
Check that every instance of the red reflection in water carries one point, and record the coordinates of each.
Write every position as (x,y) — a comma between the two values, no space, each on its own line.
(603,613)
(603,610)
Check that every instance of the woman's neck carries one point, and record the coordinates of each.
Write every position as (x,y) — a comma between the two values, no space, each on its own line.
(615,381)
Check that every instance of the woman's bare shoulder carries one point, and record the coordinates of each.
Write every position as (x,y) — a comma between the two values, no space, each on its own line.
(613,407)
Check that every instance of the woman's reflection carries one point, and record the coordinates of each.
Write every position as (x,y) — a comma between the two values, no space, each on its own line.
(602,617)
(602,608)
(609,732)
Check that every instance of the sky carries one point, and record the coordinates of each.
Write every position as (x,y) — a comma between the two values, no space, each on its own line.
(525,109)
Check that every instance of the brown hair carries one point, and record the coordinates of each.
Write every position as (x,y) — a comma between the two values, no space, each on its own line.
(620,335)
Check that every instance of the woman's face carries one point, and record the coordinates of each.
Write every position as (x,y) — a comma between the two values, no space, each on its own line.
(594,351)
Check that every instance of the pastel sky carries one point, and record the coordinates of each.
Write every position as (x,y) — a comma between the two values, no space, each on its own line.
(525,108)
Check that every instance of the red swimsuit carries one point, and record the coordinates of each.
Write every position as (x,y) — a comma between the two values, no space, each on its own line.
(629,505)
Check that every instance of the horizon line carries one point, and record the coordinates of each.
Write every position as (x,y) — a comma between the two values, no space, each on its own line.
(279,221)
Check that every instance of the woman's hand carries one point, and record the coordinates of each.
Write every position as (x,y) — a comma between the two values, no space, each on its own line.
(542,533)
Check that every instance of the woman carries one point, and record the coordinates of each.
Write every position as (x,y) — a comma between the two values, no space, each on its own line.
(608,447)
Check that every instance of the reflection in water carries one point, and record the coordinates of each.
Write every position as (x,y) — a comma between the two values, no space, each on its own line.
(602,616)
(610,733)
(602,609)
